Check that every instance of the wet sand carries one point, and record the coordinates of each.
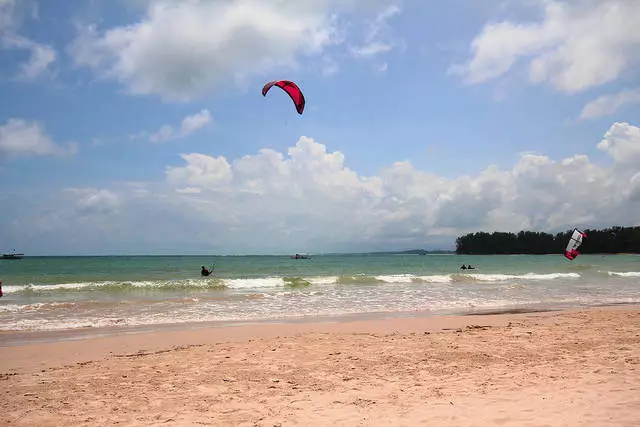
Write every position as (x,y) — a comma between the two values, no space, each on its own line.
(571,368)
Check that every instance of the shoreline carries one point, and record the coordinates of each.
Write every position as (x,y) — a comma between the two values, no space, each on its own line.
(574,367)
(70,346)
(10,338)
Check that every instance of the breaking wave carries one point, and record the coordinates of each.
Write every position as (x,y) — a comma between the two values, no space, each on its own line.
(217,283)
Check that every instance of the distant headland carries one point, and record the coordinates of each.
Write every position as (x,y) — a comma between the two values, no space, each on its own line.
(599,241)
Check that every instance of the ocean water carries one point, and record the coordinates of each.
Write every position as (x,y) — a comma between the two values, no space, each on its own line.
(69,293)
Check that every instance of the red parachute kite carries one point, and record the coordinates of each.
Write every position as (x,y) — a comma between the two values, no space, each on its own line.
(291,88)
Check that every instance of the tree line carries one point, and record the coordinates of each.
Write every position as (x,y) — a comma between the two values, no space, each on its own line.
(608,240)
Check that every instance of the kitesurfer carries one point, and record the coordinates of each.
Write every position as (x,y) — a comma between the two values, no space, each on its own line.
(205,272)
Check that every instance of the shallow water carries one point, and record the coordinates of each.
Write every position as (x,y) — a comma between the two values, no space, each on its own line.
(61,293)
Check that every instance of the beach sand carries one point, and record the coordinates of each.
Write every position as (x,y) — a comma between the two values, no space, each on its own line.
(572,368)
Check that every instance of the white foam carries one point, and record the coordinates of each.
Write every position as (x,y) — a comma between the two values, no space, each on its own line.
(14,289)
(445,278)
(61,286)
(322,280)
(79,286)
(528,276)
(396,278)
(266,282)
(624,274)
(275,282)
(411,278)
(24,308)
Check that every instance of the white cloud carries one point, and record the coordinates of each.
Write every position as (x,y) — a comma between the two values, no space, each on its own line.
(42,55)
(622,143)
(21,137)
(181,50)
(607,105)
(578,45)
(372,49)
(382,67)
(92,201)
(203,171)
(634,188)
(309,198)
(165,133)
(329,66)
(188,126)
(312,191)
(377,39)
(194,122)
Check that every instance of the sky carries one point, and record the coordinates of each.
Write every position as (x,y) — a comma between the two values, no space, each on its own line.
(139,127)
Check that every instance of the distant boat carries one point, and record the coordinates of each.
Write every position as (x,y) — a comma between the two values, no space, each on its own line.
(12,256)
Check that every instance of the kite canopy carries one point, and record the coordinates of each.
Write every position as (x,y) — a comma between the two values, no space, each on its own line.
(291,88)
(574,243)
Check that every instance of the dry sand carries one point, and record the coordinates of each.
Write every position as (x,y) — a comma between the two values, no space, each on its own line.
(574,368)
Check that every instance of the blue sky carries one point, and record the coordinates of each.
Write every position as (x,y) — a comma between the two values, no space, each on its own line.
(424,120)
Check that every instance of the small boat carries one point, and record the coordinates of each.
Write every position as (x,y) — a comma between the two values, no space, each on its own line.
(12,256)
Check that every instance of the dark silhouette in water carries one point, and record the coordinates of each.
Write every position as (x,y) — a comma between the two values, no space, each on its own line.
(205,272)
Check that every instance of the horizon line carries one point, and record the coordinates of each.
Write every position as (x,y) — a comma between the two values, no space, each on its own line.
(400,251)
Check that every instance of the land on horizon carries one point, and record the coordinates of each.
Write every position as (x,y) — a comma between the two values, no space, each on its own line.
(311,254)
(613,239)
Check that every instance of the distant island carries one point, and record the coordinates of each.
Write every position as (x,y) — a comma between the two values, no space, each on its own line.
(602,241)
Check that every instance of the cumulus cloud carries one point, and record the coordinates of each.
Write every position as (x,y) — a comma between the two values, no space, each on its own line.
(622,143)
(634,188)
(578,45)
(19,137)
(311,191)
(42,55)
(607,105)
(202,171)
(181,50)
(309,198)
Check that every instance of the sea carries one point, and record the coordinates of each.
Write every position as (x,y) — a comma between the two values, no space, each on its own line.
(118,292)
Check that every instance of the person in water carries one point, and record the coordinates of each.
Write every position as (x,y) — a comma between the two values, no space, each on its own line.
(205,272)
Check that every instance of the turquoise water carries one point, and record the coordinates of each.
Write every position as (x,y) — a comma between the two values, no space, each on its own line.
(59,293)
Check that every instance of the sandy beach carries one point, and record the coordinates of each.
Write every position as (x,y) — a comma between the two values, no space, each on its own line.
(571,368)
